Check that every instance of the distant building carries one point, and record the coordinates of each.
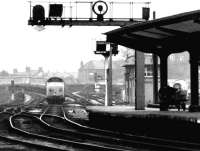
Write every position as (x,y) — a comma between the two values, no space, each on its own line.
(15,71)
(30,76)
(4,73)
(93,71)
(29,73)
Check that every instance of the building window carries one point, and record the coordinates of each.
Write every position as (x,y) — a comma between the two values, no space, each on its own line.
(181,58)
(172,58)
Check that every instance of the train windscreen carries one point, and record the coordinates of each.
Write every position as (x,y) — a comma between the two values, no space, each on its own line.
(55,79)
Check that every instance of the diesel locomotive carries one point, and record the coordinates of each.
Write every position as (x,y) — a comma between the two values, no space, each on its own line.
(55,90)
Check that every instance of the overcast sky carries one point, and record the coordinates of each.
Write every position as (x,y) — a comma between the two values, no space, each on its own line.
(56,48)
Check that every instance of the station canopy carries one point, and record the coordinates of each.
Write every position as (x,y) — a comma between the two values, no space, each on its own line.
(166,35)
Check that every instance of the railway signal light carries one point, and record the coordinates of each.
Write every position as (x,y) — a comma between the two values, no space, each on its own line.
(55,10)
(145,13)
(38,14)
(101,47)
(100,8)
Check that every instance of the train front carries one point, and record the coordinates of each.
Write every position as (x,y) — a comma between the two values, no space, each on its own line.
(55,90)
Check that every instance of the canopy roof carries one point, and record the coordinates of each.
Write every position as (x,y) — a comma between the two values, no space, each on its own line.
(166,35)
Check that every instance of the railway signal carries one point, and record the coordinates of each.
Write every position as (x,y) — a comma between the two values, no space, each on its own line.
(55,10)
(107,50)
(145,13)
(38,15)
(100,8)
(99,13)
(104,48)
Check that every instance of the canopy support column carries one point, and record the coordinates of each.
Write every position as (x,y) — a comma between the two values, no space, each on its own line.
(155,79)
(194,82)
(163,70)
(163,78)
(139,81)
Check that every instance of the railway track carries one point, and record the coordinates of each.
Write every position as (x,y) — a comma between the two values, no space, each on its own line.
(53,130)
(149,142)
(68,127)
(78,100)
(32,126)
(53,110)
(16,141)
(20,142)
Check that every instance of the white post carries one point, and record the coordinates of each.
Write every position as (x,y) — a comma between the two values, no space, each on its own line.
(12,90)
(12,97)
(108,79)
(139,81)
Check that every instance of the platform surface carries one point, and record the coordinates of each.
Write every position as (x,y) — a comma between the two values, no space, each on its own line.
(129,111)
(172,124)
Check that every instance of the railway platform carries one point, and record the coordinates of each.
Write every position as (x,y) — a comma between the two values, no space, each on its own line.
(151,122)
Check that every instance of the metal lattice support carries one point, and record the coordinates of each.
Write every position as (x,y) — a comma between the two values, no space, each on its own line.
(87,13)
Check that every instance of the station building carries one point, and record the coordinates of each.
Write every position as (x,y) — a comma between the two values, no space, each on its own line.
(178,69)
